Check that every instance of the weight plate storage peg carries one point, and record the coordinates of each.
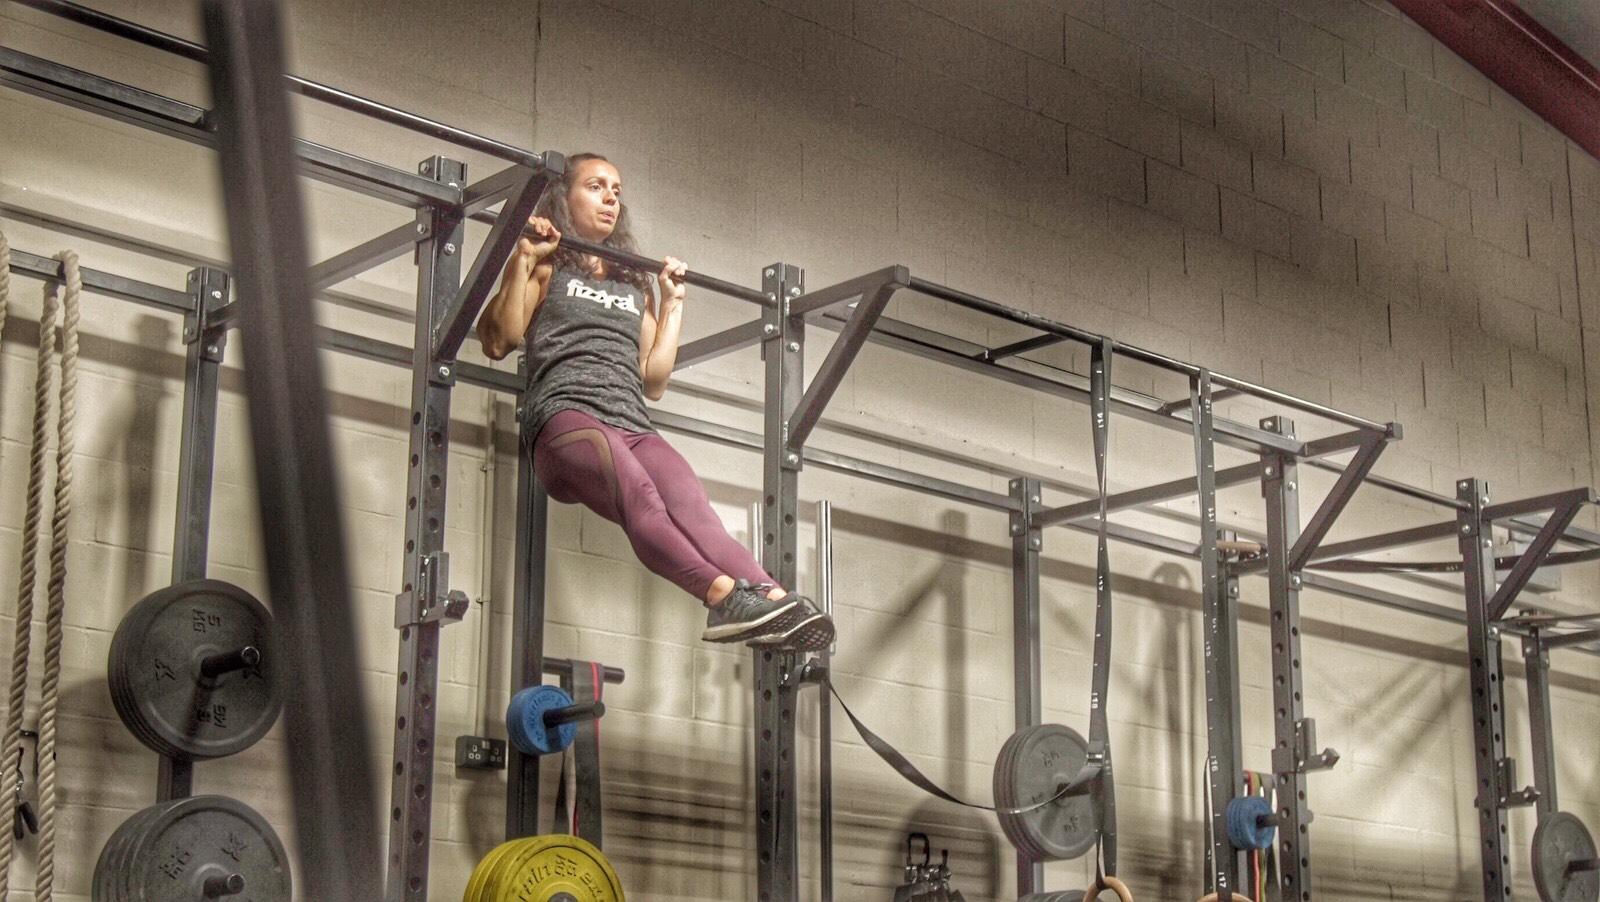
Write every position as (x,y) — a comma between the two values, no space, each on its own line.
(1565,868)
(1248,824)
(555,868)
(542,719)
(1033,766)
(190,670)
(196,848)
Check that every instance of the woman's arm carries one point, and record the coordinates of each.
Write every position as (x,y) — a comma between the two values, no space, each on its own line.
(662,321)
(523,285)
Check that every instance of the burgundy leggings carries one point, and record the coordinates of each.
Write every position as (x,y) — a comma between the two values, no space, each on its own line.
(638,481)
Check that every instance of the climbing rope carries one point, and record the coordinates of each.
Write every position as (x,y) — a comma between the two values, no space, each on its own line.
(56,596)
(16,695)
(5,279)
(11,748)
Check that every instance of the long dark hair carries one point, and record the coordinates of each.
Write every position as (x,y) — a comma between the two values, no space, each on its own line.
(553,206)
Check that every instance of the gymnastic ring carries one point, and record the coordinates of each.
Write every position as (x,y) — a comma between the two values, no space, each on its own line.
(1216,897)
(1107,882)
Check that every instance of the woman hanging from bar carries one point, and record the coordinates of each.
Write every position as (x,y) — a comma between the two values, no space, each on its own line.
(600,339)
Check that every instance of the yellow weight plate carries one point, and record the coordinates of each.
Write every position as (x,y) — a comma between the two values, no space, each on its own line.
(547,866)
(480,874)
(504,871)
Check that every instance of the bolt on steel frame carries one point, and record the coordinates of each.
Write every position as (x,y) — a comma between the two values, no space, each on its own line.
(448,304)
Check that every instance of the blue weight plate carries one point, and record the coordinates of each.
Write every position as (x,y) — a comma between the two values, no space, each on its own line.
(525,720)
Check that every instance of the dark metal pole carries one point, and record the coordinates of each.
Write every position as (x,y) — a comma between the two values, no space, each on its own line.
(1536,661)
(301,528)
(208,289)
(1219,600)
(1026,667)
(777,840)
(1488,709)
(424,566)
(1293,733)
(824,658)
(527,634)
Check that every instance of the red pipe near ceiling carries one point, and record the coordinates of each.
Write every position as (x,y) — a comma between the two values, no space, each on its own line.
(1522,57)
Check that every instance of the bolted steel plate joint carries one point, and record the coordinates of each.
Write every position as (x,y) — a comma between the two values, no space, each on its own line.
(451,610)
(794,346)
(449,249)
(443,374)
(1294,580)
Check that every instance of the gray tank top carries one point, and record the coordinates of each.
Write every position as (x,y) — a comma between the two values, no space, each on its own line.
(583,353)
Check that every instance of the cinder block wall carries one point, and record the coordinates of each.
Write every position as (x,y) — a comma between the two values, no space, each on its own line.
(1312,194)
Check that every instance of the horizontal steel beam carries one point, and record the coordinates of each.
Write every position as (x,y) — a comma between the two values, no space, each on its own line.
(990,355)
(1570,639)
(173,44)
(105,283)
(1044,324)
(135,106)
(814,302)
(1181,404)
(374,252)
(1155,494)
(958,353)
(1538,504)
(717,344)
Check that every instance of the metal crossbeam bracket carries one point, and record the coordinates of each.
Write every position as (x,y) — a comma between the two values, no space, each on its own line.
(1338,497)
(469,299)
(485,193)
(1528,562)
(823,299)
(843,353)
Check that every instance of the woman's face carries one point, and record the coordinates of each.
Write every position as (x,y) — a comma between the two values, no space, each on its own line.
(595,199)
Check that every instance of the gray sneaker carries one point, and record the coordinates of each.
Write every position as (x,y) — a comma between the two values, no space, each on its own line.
(814,633)
(747,613)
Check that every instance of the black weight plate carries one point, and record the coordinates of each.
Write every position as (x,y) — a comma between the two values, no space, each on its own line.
(154,671)
(111,869)
(1562,840)
(191,839)
(1033,764)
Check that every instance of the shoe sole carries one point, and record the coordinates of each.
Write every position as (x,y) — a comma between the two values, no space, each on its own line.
(780,620)
(814,633)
